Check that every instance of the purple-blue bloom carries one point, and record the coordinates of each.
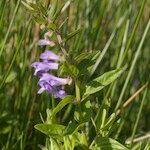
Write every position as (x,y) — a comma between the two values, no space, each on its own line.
(60,94)
(47,82)
(57,92)
(45,86)
(44,66)
(55,81)
(49,55)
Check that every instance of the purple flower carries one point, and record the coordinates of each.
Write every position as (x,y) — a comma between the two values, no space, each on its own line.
(57,92)
(47,82)
(55,81)
(49,55)
(44,42)
(45,86)
(44,66)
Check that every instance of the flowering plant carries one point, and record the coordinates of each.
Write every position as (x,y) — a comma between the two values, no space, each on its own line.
(48,82)
(75,70)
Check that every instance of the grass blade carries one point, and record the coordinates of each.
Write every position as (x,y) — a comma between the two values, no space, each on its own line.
(133,64)
(10,26)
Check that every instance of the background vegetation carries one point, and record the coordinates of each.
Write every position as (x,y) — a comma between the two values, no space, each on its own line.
(116,28)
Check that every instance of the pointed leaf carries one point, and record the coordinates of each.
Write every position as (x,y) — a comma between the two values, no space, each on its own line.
(68,99)
(51,130)
(52,26)
(108,144)
(109,121)
(102,81)
(86,55)
(69,69)
(72,126)
(27,6)
(72,34)
(11,77)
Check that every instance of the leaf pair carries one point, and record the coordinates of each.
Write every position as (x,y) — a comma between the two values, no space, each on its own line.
(100,82)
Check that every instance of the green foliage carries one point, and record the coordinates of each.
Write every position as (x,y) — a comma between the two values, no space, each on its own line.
(69,69)
(100,82)
(95,37)
(68,99)
(11,77)
(108,144)
(52,130)
(72,34)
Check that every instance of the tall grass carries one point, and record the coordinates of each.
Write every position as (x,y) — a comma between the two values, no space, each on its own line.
(117,29)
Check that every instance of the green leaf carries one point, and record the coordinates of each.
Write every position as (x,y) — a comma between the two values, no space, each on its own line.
(108,144)
(72,34)
(51,130)
(109,121)
(39,19)
(81,140)
(81,147)
(69,69)
(53,9)
(66,5)
(52,26)
(102,81)
(85,61)
(34,6)
(27,6)
(11,77)
(57,14)
(72,126)
(102,115)
(42,147)
(76,115)
(86,55)
(56,11)
(42,9)
(49,114)
(68,99)
(86,112)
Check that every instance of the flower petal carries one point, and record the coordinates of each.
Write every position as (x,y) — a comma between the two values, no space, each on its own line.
(56,91)
(55,81)
(60,94)
(49,55)
(41,90)
(44,86)
(44,42)
(44,66)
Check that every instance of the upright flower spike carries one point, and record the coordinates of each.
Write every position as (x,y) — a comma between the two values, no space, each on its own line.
(47,82)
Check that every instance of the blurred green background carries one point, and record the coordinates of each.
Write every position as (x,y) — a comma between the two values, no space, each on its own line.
(100,20)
